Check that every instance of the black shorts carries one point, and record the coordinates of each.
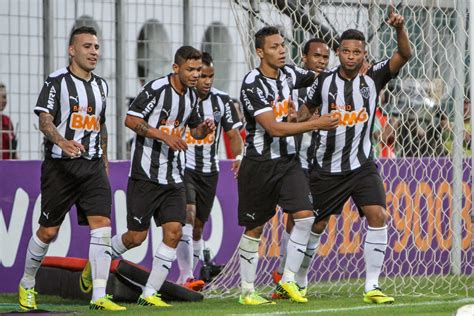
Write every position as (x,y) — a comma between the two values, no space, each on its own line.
(200,191)
(146,199)
(65,182)
(264,184)
(330,192)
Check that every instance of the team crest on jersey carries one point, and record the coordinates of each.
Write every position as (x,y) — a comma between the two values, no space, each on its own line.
(365,92)
(217,116)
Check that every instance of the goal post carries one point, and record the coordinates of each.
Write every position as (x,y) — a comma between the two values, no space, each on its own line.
(428,174)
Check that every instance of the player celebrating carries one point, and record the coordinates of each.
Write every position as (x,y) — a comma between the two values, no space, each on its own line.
(71,109)
(315,58)
(159,116)
(270,173)
(202,167)
(343,164)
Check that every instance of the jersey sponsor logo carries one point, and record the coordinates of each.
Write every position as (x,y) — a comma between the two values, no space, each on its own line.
(176,131)
(246,100)
(208,140)
(380,65)
(280,109)
(149,107)
(260,94)
(174,123)
(228,114)
(86,122)
(347,117)
(51,96)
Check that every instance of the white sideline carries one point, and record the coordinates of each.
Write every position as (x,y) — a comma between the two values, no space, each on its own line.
(343,309)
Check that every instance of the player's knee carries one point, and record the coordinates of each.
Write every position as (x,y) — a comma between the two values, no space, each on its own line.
(47,234)
(378,218)
(134,239)
(173,235)
(197,233)
(319,226)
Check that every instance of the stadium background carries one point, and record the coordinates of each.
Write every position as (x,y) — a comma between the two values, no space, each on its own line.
(138,40)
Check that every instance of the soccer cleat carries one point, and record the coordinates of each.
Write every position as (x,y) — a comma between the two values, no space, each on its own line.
(105,303)
(376,296)
(293,292)
(85,281)
(276,276)
(279,293)
(194,284)
(27,298)
(254,299)
(303,290)
(152,300)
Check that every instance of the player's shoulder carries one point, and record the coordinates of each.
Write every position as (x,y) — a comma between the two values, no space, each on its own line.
(219,93)
(251,77)
(58,74)
(158,83)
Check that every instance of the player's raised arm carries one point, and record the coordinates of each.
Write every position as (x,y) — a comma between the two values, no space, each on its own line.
(403,54)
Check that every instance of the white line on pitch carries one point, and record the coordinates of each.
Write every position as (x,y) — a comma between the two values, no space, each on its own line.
(343,309)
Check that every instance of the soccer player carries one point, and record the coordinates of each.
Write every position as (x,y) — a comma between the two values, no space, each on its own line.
(159,116)
(343,164)
(71,109)
(270,173)
(202,168)
(315,58)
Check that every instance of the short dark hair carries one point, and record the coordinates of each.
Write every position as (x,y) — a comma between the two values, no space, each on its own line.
(263,33)
(82,30)
(185,53)
(311,41)
(207,59)
(2,86)
(352,34)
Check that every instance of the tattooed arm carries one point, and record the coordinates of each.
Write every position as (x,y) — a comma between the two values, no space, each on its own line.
(104,137)
(142,128)
(70,147)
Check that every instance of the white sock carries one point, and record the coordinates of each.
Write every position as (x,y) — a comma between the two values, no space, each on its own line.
(301,276)
(162,262)
(248,253)
(118,248)
(34,256)
(296,248)
(184,254)
(100,256)
(197,252)
(283,245)
(374,254)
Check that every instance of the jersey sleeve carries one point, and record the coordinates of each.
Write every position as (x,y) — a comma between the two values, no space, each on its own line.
(380,73)
(230,119)
(301,77)
(49,97)
(313,98)
(104,90)
(144,103)
(253,99)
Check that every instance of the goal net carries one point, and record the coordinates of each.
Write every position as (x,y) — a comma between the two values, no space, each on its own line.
(421,143)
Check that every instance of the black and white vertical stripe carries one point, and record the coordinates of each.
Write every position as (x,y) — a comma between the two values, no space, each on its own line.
(305,142)
(201,155)
(349,146)
(260,94)
(162,108)
(63,96)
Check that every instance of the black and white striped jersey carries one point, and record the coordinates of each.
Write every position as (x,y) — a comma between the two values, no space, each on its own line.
(162,107)
(349,146)
(201,155)
(305,141)
(78,108)
(260,94)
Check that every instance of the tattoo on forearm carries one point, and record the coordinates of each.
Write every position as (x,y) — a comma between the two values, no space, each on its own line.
(142,129)
(49,129)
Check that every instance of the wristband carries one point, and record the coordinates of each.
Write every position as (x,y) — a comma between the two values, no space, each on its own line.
(239,157)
